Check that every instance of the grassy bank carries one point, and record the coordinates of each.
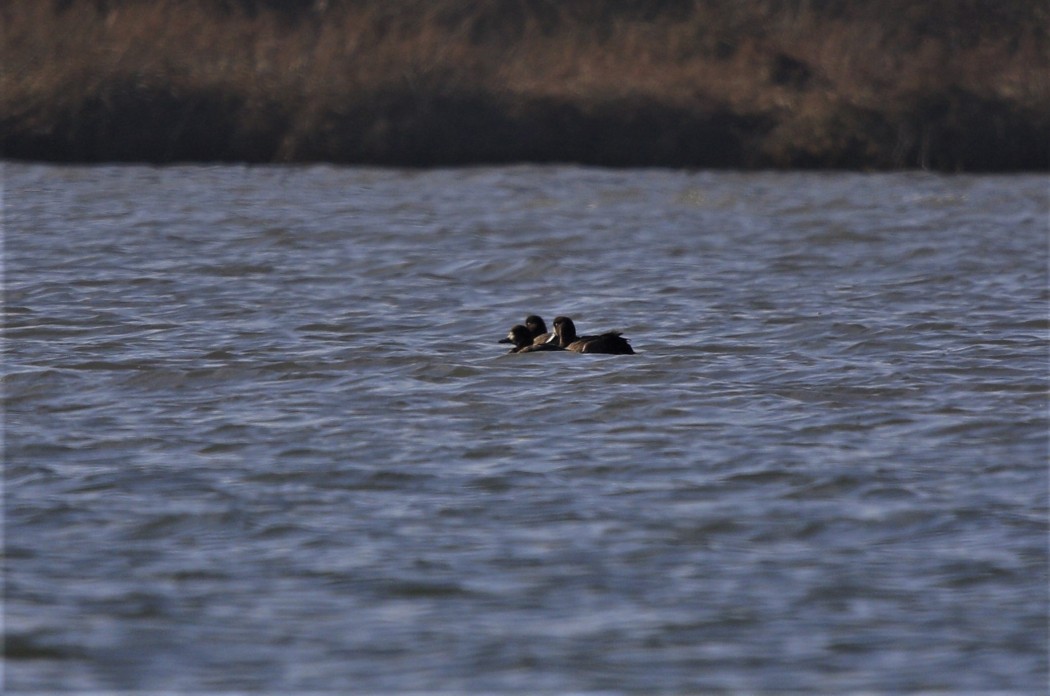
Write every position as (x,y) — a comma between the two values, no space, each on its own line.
(955,85)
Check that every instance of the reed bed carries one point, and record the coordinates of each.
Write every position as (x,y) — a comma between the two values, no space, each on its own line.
(954,85)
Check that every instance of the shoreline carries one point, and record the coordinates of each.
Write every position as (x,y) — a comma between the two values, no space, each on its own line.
(672,83)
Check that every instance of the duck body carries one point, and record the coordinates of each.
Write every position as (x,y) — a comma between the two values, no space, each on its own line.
(610,342)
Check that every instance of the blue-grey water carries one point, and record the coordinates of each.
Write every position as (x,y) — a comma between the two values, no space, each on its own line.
(259,435)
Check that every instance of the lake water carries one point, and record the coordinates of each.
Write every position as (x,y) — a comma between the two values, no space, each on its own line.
(260,435)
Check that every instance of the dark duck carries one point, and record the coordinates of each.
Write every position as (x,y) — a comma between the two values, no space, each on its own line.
(523,339)
(538,328)
(610,342)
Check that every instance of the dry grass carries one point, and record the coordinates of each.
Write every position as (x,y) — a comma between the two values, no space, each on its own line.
(951,84)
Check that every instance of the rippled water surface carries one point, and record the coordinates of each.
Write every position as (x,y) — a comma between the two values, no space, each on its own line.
(260,436)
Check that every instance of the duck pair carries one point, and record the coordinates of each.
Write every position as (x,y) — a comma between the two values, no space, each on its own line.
(533,337)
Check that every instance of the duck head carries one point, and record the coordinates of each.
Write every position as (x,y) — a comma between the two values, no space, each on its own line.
(519,335)
(536,325)
(564,331)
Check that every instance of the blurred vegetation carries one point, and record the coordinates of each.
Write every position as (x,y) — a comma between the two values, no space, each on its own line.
(953,85)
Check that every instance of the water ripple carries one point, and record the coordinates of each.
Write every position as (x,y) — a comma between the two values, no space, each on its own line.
(259,433)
